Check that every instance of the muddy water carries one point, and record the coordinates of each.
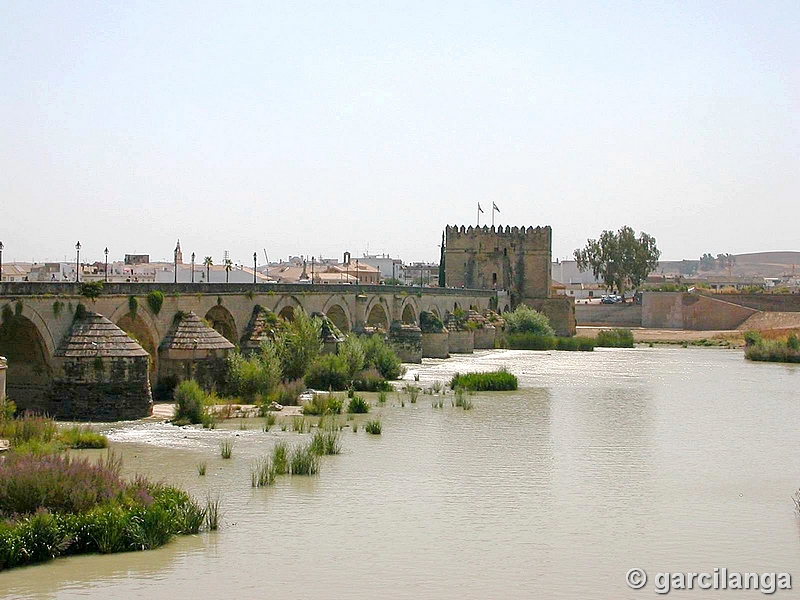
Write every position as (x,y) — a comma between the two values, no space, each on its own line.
(664,459)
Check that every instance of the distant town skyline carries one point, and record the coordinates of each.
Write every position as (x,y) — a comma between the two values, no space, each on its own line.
(316,129)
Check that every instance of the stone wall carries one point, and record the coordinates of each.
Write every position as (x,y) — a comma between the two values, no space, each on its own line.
(560,310)
(484,337)
(436,345)
(98,389)
(764,302)
(611,315)
(679,310)
(461,342)
(407,342)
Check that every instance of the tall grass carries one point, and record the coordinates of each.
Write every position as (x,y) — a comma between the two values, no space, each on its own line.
(201,469)
(323,404)
(262,473)
(531,341)
(413,393)
(326,442)
(615,338)
(373,427)
(82,437)
(303,461)
(357,405)
(213,514)
(773,350)
(487,381)
(280,458)
(269,421)
(226,448)
(299,424)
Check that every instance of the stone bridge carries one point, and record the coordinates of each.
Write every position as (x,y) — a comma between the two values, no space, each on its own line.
(42,313)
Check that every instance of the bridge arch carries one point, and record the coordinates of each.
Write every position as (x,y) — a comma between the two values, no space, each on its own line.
(223,322)
(409,314)
(378,314)
(286,306)
(337,312)
(27,344)
(141,328)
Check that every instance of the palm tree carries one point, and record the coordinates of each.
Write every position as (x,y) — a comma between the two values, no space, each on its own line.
(208,263)
(228,268)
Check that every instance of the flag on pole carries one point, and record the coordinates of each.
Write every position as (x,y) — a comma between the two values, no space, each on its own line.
(494,207)
(480,210)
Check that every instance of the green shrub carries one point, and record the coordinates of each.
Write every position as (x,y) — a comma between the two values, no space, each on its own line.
(191,404)
(262,473)
(370,380)
(352,352)
(615,338)
(357,405)
(430,323)
(486,381)
(133,306)
(526,320)
(155,300)
(530,341)
(299,342)
(752,338)
(328,372)
(772,351)
(288,393)
(82,437)
(572,344)
(323,404)
(92,289)
(379,354)
(254,377)
(55,506)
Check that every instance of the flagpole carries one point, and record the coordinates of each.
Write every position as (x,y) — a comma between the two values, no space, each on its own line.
(479,214)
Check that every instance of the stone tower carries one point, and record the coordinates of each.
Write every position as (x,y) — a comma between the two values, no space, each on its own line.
(178,254)
(514,259)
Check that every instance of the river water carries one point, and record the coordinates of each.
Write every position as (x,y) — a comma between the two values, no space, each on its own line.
(665,459)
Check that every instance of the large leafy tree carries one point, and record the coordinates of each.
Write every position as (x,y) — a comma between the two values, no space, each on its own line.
(620,259)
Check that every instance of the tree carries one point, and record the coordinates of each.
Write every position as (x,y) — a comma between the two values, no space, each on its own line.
(707,262)
(228,268)
(619,259)
(298,343)
(208,262)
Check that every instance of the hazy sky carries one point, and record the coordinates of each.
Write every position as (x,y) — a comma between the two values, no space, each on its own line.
(315,128)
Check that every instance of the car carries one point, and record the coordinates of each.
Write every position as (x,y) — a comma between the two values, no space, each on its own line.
(610,299)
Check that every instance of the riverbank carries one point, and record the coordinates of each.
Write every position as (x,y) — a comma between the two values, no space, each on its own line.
(641,335)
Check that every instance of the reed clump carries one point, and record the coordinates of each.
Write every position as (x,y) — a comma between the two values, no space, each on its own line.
(303,461)
(226,448)
(373,427)
(614,338)
(357,405)
(500,380)
(262,473)
(533,341)
(280,458)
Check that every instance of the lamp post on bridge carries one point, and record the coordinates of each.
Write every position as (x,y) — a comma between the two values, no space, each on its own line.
(192,267)
(106,272)
(1,261)
(78,262)
(255,265)
(176,264)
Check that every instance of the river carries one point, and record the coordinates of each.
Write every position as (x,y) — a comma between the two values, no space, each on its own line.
(666,459)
